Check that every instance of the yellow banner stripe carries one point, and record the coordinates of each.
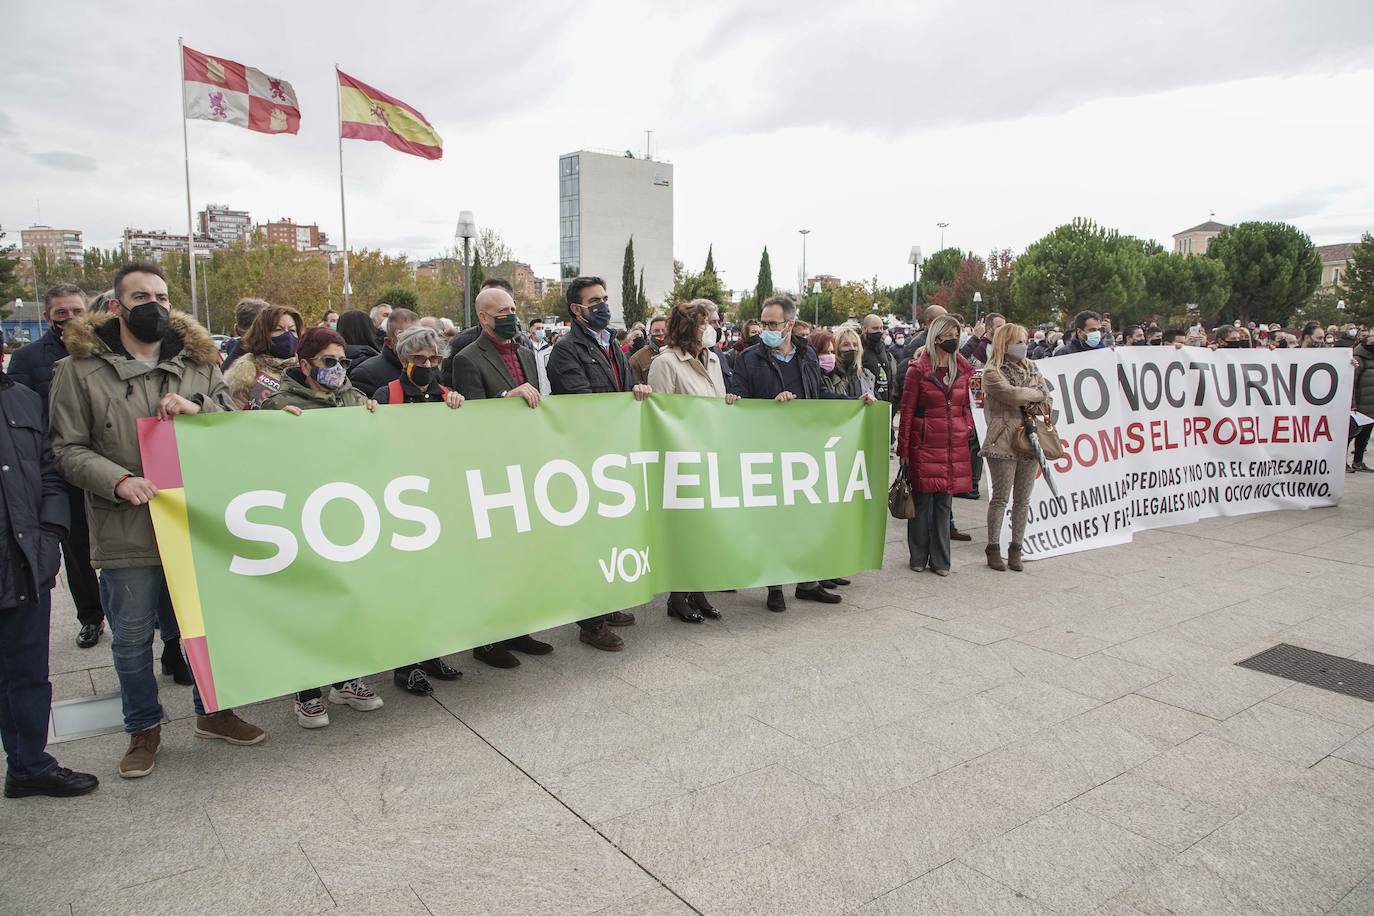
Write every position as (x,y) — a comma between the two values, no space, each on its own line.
(174,543)
(357,106)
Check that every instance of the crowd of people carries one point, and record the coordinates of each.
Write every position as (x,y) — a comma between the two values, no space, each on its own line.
(71,471)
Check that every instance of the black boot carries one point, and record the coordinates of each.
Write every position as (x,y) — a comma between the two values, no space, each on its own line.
(174,663)
(679,608)
(697,602)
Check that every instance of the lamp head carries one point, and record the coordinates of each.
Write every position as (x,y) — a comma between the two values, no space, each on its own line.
(915,257)
(467,227)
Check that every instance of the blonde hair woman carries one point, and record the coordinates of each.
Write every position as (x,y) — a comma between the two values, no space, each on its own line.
(1011,381)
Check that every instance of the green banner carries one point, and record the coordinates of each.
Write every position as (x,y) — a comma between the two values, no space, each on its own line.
(306,550)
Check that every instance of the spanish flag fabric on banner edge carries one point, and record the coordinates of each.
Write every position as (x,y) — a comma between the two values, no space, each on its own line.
(162,465)
(370,114)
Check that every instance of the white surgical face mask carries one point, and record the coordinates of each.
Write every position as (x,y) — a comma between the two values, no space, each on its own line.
(708,336)
(1016,350)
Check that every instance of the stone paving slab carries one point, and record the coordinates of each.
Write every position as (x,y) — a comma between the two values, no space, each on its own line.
(1072,739)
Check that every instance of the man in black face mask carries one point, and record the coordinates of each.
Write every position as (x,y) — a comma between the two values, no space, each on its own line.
(878,360)
(138,360)
(586,361)
(32,366)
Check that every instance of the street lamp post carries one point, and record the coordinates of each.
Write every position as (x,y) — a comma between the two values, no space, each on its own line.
(942,227)
(467,231)
(914,259)
(804,234)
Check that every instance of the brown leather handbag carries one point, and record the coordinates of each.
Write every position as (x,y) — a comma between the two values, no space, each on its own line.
(900,501)
(1037,418)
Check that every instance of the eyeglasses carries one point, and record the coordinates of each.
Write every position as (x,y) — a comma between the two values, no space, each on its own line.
(773,325)
(329,362)
(425,361)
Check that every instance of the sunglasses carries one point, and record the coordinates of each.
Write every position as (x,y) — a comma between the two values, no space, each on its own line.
(329,362)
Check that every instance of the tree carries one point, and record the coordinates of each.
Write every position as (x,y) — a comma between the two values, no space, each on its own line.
(1358,287)
(938,271)
(478,275)
(688,286)
(400,297)
(641,297)
(997,295)
(710,267)
(957,295)
(748,308)
(9,269)
(629,292)
(764,287)
(1175,281)
(491,249)
(1273,269)
(267,270)
(852,300)
(1077,266)
(372,273)
(1322,308)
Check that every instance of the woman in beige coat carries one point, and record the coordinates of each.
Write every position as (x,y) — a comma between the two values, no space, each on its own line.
(267,350)
(1010,381)
(689,364)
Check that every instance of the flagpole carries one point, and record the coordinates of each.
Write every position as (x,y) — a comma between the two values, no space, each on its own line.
(186,159)
(343,212)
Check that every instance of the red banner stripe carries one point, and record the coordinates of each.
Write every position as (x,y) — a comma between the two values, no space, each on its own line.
(287,120)
(198,654)
(157,440)
(356,130)
(377,94)
(227,74)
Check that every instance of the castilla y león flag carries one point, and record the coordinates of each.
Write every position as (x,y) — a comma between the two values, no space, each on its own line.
(370,114)
(215,89)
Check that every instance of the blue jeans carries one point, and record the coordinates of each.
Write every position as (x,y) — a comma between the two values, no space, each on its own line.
(25,692)
(131,597)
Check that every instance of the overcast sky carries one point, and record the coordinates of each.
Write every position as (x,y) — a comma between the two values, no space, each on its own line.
(867,123)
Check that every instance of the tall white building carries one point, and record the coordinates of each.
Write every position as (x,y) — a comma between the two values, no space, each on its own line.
(224,226)
(603,200)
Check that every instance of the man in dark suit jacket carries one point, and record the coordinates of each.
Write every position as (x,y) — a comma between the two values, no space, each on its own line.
(586,360)
(495,366)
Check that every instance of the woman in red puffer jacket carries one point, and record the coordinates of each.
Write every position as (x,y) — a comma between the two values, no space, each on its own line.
(932,441)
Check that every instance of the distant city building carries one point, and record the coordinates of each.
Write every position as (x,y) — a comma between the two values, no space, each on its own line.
(58,243)
(603,200)
(1335,260)
(520,275)
(153,244)
(826,281)
(223,226)
(299,237)
(1196,239)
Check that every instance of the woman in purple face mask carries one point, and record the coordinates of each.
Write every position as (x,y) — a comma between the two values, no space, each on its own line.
(267,350)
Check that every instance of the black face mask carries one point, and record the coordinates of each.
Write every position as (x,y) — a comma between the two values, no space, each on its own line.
(147,321)
(59,326)
(874,340)
(847,359)
(422,376)
(949,346)
(1241,344)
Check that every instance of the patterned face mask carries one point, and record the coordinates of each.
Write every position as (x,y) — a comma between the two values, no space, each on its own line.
(329,376)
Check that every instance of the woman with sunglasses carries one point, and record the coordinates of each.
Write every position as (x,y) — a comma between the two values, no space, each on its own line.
(266,351)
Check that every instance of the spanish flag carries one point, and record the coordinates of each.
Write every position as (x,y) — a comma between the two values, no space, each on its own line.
(369,114)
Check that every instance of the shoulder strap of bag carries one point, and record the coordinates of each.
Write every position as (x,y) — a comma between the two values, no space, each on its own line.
(395,394)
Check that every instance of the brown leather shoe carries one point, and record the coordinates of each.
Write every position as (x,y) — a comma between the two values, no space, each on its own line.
(528,644)
(227,726)
(601,637)
(498,656)
(1014,557)
(956,535)
(995,558)
(139,760)
(776,601)
(620,619)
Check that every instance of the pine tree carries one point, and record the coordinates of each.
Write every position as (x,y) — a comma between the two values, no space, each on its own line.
(641,299)
(764,287)
(629,298)
(478,276)
(710,260)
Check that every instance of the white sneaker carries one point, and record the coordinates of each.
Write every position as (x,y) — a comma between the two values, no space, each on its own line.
(311,714)
(356,694)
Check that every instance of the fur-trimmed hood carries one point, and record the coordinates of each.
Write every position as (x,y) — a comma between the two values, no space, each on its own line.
(98,334)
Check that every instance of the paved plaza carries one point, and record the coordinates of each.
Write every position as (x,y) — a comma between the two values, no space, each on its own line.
(1073,739)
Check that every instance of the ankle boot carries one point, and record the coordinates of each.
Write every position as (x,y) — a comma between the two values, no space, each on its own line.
(1014,557)
(174,663)
(995,558)
(679,608)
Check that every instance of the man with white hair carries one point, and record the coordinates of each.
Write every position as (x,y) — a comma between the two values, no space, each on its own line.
(379,315)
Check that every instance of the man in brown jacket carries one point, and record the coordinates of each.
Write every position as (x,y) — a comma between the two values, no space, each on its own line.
(639,362)
(139,359)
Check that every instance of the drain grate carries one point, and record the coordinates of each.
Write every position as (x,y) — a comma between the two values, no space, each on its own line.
(1330,672)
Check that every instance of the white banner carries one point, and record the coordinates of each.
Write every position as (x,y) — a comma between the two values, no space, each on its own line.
(1160,436)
